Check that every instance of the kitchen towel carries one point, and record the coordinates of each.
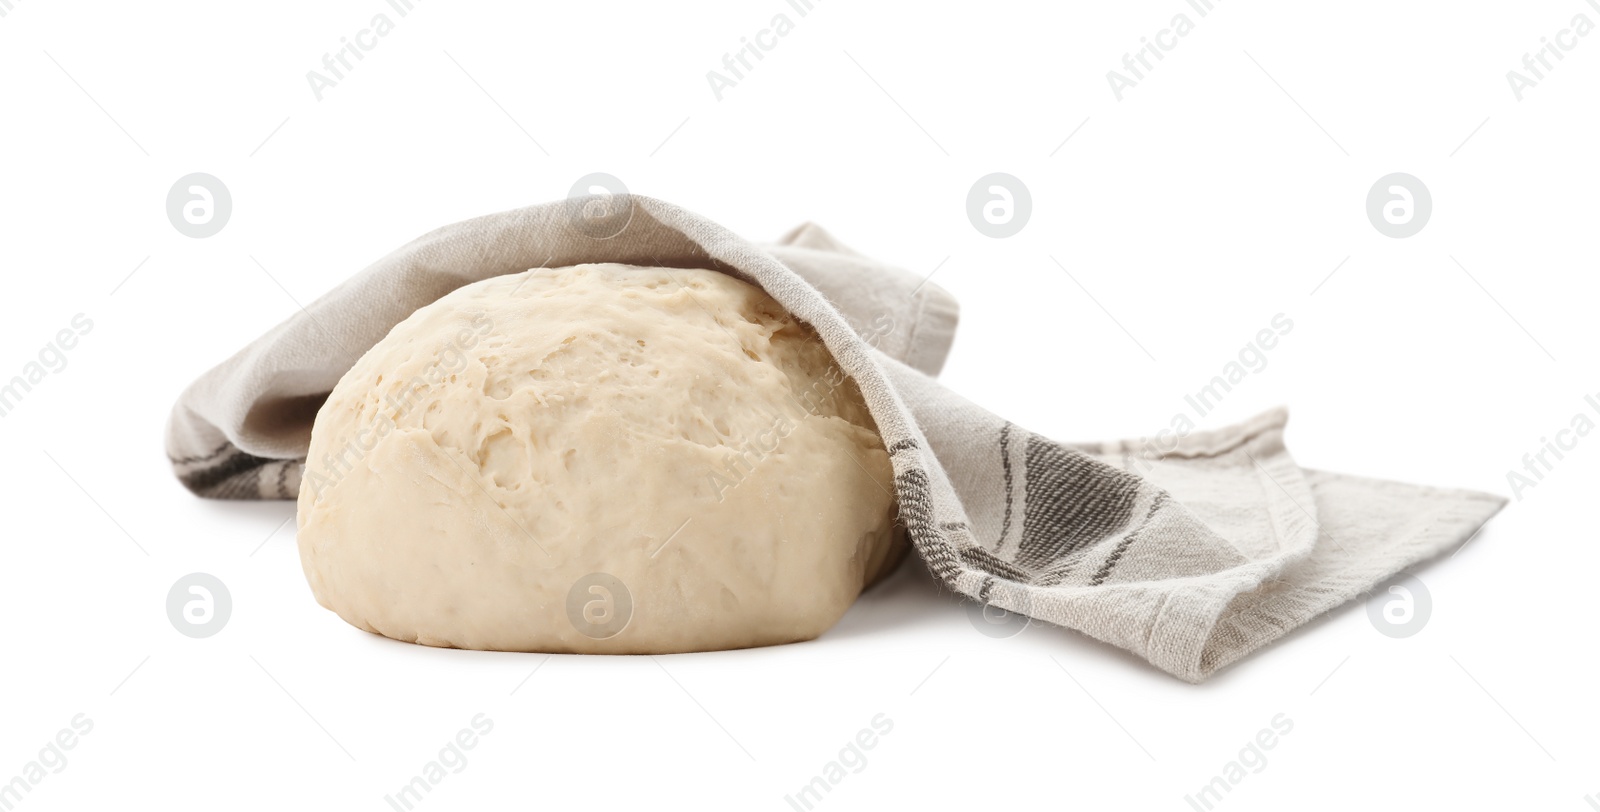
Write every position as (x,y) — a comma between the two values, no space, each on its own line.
(1188,551)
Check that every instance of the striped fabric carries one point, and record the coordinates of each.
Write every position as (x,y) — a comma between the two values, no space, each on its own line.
(1190,559)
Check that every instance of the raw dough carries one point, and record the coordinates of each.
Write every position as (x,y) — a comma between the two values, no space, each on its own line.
(602,458)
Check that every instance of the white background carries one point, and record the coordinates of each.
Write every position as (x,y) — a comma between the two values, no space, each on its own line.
(1222,190)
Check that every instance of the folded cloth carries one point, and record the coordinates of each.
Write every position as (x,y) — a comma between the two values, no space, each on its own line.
(1190,552)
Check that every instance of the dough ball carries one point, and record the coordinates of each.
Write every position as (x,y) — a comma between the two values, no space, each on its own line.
(602,458)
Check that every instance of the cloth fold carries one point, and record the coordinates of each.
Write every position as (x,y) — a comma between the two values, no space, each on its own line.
(1190,552)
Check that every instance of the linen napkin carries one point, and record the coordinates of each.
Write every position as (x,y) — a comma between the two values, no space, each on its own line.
(1190,552)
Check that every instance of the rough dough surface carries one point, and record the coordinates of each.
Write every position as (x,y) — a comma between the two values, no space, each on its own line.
(602,458)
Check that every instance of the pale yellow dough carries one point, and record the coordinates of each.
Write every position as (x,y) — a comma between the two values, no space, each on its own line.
(675,430)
